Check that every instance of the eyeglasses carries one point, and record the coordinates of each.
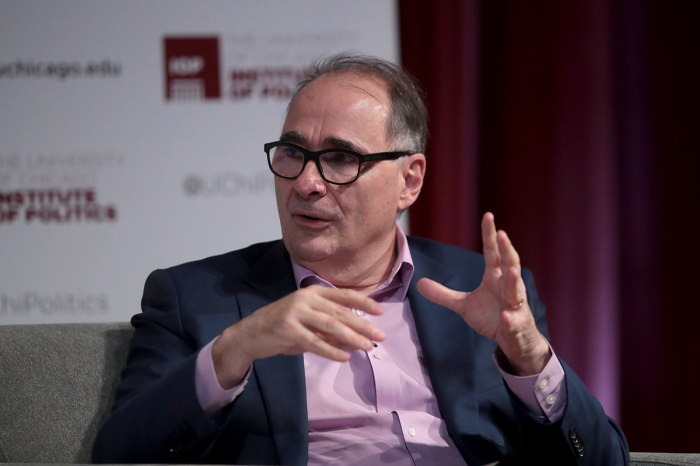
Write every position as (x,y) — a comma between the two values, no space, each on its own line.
(336,166)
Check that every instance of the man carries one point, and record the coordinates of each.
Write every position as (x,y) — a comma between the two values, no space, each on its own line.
(346,342)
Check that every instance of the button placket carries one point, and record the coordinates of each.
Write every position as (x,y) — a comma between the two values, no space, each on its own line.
(421,435)
(386,379)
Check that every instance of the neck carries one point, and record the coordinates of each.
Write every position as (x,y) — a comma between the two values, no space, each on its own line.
(362,272)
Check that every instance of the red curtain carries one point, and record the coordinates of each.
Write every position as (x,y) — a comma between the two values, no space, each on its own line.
(575,123)
(428,31)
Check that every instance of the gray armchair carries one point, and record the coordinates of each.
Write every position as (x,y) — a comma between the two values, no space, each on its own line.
(57,385)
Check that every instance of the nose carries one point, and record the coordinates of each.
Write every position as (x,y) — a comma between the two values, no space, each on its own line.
(310,181)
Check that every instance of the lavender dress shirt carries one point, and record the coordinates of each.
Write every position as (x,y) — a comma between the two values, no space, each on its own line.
(379,407)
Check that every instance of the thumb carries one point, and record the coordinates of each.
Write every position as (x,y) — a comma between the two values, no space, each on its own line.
(440,294)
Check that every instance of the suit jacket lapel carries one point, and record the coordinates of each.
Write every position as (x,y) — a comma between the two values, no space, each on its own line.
(281,378)
(447,343)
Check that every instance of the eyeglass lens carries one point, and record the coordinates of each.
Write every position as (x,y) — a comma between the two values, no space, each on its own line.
(338,167)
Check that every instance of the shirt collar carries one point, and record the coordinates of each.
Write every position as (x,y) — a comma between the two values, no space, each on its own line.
(397,283)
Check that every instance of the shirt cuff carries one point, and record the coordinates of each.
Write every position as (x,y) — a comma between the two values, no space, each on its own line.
(212,398)
(543,394)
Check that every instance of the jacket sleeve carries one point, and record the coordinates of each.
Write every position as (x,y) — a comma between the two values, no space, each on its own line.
(156,416)
(584,435)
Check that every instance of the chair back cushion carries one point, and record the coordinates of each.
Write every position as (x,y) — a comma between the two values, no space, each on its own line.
(664,459)
(57,384)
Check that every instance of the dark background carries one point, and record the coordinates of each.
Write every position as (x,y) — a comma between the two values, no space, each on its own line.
(576,123)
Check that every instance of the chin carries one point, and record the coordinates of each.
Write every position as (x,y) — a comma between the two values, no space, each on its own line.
(310,250)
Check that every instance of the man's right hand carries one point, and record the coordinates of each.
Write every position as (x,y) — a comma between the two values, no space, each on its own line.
(315,319)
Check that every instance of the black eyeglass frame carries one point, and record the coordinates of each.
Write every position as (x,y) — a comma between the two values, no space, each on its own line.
(316,158)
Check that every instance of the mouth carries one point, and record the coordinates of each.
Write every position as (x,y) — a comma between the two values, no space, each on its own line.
(310,220)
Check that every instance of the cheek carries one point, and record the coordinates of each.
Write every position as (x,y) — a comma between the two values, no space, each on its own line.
(379,205)
(385,193)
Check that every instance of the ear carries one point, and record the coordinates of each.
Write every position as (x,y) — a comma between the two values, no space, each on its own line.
(413,173)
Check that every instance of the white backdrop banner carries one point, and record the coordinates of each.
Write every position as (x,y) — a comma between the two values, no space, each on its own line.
(131,137)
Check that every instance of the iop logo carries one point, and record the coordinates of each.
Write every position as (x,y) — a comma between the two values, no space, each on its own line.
(191,68)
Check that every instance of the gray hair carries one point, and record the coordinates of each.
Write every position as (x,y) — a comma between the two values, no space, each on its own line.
(408,119)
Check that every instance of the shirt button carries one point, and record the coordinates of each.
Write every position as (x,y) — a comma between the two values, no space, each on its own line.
(543,384)
(551,399)
(380,357)
(411,431)
(359,312)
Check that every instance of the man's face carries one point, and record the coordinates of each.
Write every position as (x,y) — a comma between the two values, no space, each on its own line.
(321,220)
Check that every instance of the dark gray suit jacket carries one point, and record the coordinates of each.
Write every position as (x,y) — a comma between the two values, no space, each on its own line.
(157,417)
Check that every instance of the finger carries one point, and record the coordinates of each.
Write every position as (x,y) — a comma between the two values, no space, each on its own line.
(514,291)
(488,236)
(326,300)
(509,256)
(323,300)
(309,341)
(351,299)
(333,342)
(440,294)
(328,325)
(361,326)
(349,318)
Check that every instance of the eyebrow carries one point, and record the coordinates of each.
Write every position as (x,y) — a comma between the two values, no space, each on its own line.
(333,141)
(295,137)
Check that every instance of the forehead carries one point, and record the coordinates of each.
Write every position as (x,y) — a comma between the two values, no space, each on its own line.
(346,106)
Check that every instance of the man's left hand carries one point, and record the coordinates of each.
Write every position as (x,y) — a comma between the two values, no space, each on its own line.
(498,308)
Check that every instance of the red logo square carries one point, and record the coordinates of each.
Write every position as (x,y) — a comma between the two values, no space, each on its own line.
(192,68)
